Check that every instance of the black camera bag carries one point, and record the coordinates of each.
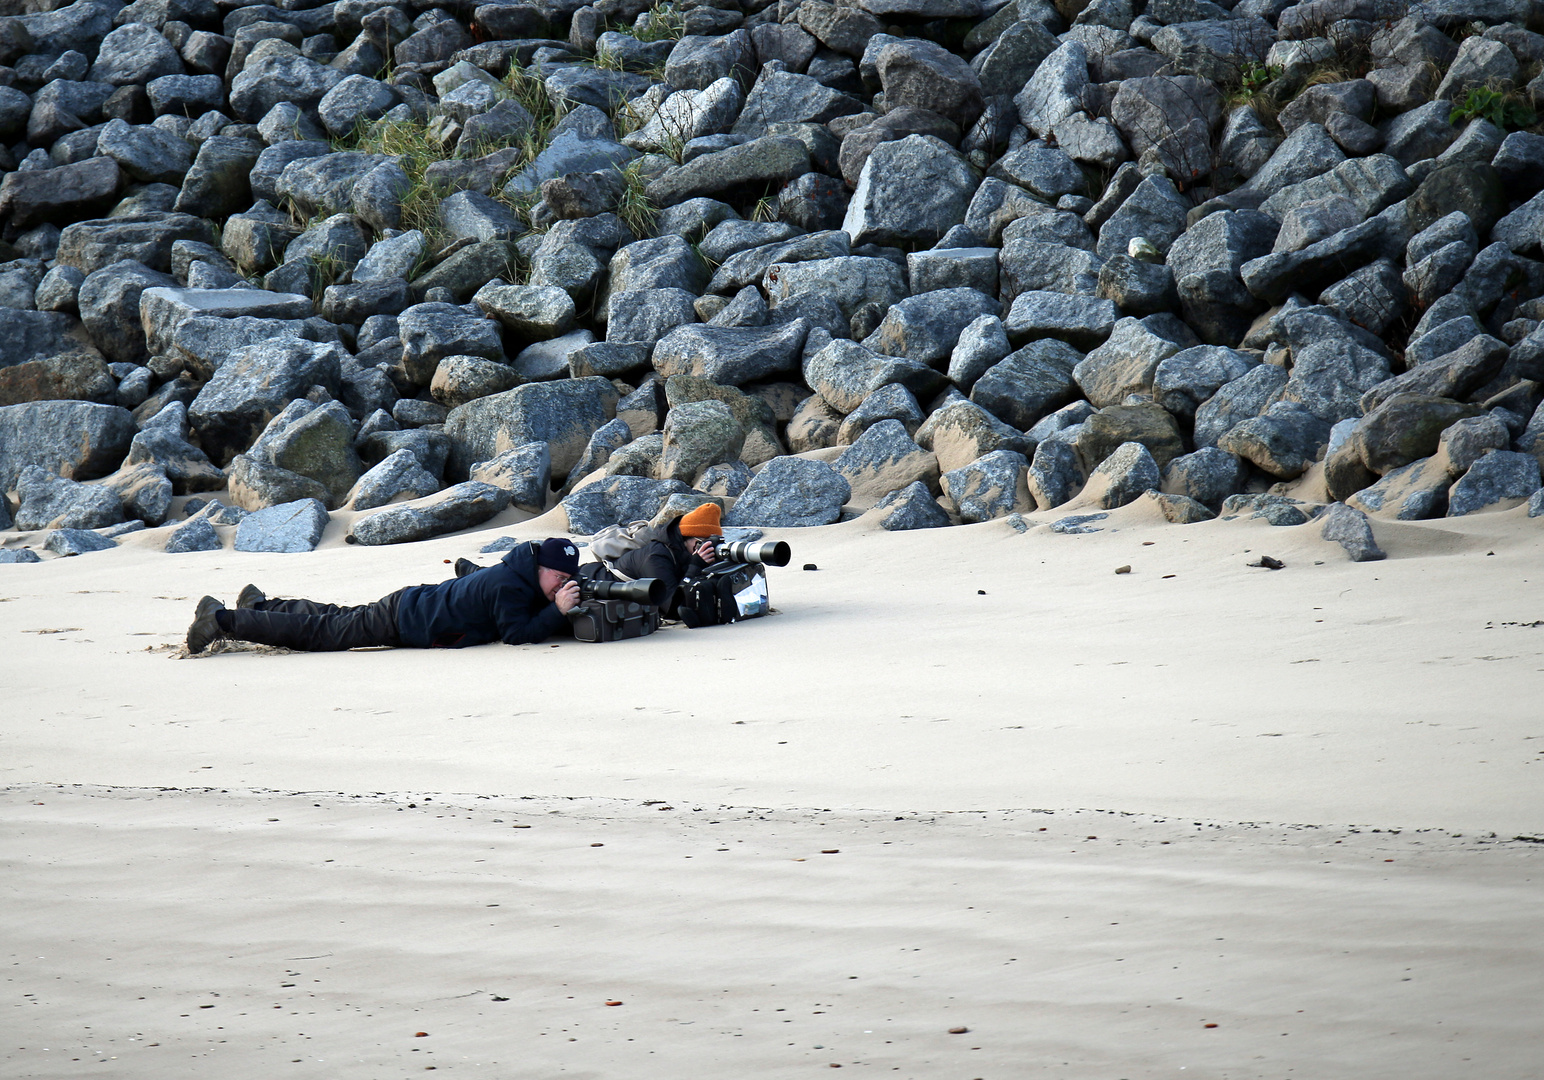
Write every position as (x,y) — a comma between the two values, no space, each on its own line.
(613,620)
(724,593)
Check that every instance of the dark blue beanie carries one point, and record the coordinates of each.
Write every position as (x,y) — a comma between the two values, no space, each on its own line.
(559,554)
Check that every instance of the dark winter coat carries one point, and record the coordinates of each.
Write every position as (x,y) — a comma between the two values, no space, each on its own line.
(663,556)
(503,602)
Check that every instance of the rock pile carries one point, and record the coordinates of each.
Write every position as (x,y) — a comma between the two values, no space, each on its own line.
(945,260)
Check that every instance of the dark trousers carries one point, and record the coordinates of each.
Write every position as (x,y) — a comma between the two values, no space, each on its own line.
(312,627)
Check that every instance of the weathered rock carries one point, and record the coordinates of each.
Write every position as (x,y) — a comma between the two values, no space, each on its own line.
(699,434)
(926,327)
(961,431)
(65,542)
(110,308)
(397,476)
(1147,424)
(144,490)
(616,500)
(46,501)
(562,414)
(844,373)
(1331,378)
(1499,480)
(1405,427)
(456,508)
(770,160)
(196,534)
(882,460)
(992,486)
(1082,321)
(72,439)
(1285,440)
(1453,375)
(1185,379)
(431,332)
(980,345)
(1122,477)
(921,74)
(852,281)
(524,471)
(1468,440)
(891,402)
(1029,383)
(731,356)
(791,493)
(78,375)
(911,507)
(911,191)
(1208,476)
(286,529)
(256,483)
(1124,364)
(1349,528)
(1055,91)
(279,77)
(1413,492)
(252,387)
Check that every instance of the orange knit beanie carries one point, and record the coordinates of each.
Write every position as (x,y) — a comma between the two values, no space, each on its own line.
(702,521)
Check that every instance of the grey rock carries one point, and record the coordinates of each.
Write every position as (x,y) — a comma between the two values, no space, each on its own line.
(254,385)
(618,500)
(1373,297)
(729,479)
(972,267)
(563,414)
(144,490)
(1466,441)
(791,493)
(925,328)
(109,303)
(18,555)
(286,528)
(1169,119)
(785,97)
(1124,476)
(730,356)
(699,434)
(430,332)
(1028,384)
(1420,133)
(73,439)
(980,345)
(459,379)
(524,471)
(1136,286)
(456,508)
(1056,473)
(771,159)
(1208,476)
(1105,430)
(961,431)
(1031,265)
(1284,441)
(280,77)
(46,501)
(1155,211)
(921,74)
(1452,375)
(398,474)
(61,194)
(64,542)
(1082,321)
(1055,91)
(910,191)
(1304,154)
(851,281)
(608,438)
(1185,379)
(992,486)
(145,238)
(1349,528)
(844,374)
(1496,479)
(750,266)
(911,507)
(883,460)
(1124,364)
(1236,401)
(395,257)
(196,534)
(889,402)
(145,153)
(471,215)
(134,54)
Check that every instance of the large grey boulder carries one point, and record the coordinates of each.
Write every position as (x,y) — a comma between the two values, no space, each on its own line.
(46,501)
(921,74)
(456,508)
(1452,375)
(110,308)
(1236,401)
(65,542)
(1055,91)
(524,471)
(992,486)
(731,355)
(562,414)
(397,475)
(1208,476)
(73,439)
(771,159)
(134,54)
(911,191)
(1284,441)
(791,492)
(252,387)
(1126,363)
(256,483)
(1082,321)
(279,77)
(699,434)
(845,373)
(144,490)
(1349,528)
(314,441)
(430,332)
(1123,476)
(1500,480)
(961,431)
(1027,384)
(852,281)
(883,460)
(926,327)
(1185,379)
(288,528)
(195,534)
(616,500)
(911,507)
(145,152)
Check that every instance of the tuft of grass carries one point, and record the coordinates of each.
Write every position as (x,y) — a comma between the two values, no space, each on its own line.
(416,148)
(1508,110)
(765,209)
(662,22)
(634,207)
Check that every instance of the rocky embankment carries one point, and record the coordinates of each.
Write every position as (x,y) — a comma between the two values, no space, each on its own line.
(939,260)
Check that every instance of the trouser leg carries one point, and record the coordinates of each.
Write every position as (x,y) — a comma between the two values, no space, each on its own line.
(312,627)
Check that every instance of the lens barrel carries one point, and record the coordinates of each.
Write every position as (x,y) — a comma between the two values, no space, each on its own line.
(642,591)
(772,552)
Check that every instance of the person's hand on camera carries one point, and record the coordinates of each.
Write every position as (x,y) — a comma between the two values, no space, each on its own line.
(567,598)
(706,553)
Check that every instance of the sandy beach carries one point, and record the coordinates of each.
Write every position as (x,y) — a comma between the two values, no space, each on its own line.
(967,778)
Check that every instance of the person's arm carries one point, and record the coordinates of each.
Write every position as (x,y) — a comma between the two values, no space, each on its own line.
(657,563)
(520,621)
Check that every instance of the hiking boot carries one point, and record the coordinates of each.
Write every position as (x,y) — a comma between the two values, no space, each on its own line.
(465,567)
(250,597)
(205,630)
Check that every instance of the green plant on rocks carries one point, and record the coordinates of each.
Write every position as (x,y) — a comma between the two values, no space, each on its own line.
(662,22)
(1507,111)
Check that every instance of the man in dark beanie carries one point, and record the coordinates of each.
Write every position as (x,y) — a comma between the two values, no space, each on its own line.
(523,598)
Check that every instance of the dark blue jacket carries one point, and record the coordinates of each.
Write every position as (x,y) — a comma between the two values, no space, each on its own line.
(502,602)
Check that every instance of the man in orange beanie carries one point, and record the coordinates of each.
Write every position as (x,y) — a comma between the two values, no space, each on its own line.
(669,554)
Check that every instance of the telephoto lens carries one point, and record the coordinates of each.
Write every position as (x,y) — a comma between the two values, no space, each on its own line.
(643,591)
(772,552)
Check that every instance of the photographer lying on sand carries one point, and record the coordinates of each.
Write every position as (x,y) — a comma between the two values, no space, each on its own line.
(522,599)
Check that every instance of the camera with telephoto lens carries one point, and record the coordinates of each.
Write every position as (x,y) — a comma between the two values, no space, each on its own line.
(770,553)
(642,591)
